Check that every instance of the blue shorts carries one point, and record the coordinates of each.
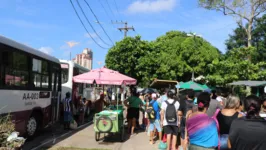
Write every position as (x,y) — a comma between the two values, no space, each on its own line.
(155,124)
(67,116)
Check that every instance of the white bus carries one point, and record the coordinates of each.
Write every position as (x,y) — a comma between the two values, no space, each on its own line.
(30,85)
(70,69)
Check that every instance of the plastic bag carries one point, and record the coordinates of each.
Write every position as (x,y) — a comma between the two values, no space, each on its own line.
(73,124)
(162,146)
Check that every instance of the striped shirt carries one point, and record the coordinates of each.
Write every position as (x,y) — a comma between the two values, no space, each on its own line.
(67,106)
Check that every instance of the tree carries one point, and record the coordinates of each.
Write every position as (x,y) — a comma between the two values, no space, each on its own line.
(178,56)
(124,56)
(236,66)
(239,39)
(243,10)
(173,56)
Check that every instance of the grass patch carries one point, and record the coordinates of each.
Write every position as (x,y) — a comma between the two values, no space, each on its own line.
(75,148)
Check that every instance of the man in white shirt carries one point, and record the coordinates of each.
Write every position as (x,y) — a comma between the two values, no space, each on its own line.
(170,128)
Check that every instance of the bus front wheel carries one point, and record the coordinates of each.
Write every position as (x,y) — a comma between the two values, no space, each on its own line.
(32,126)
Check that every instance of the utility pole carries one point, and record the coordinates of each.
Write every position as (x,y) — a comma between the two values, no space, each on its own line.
(125,28)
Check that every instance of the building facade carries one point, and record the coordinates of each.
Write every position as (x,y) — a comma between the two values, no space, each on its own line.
(85,58)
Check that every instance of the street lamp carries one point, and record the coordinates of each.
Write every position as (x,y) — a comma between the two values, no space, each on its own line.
(194,35)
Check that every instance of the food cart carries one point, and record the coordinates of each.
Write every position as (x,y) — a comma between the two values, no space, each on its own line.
(110,120)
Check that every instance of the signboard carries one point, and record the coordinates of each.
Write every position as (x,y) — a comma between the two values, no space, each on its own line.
(64,66)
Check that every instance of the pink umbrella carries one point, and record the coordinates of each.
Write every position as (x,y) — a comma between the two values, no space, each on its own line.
(104,76)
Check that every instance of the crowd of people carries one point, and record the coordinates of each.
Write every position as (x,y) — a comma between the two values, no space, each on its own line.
(75,110)
(207,121)
(203,122)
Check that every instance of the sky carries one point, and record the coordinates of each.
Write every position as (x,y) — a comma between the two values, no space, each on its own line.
(52,26)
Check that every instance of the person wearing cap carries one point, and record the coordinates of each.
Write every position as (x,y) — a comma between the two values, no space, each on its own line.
(100,103)
(155,124)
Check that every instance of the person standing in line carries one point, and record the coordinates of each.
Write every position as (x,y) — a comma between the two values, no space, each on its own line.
(155,121)
(147,98)
(169,119)
(133,104)
(164,96)
(225,117)
(143,109)
(263,109)
(214,105)
(68,106)
(248,132)
(201,130)
(186,105)
(219,97)
(81,110)
(239,109)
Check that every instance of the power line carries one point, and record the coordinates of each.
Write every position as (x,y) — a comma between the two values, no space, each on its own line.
(116,6)
(104,9)
(110,8)
(91,24)
(85,26)
(98,21)
(125,28)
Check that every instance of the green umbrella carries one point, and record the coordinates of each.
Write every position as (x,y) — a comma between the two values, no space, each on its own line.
(192,85)
(205,87)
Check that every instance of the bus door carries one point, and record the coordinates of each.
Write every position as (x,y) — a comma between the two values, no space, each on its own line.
(56,93)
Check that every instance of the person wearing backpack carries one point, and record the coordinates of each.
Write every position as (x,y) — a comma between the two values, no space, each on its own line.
(169,119)
(153,113)
(186,105)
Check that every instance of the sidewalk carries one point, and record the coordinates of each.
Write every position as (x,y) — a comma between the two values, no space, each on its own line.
(85,139)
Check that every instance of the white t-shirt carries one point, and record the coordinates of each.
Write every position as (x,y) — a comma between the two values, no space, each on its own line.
(219,98)
(164,106)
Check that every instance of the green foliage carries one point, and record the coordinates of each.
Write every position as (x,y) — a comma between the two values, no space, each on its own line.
(124,56)
(239,38)
(237,66)
(173,56)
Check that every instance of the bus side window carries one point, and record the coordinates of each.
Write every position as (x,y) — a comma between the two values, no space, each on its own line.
(15,68)
(40,74)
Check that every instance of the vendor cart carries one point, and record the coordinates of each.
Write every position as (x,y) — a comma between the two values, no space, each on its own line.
(109,121)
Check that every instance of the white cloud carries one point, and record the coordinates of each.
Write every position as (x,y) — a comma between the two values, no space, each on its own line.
(72,43)
(151,6)
(46,50)
(68,45)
